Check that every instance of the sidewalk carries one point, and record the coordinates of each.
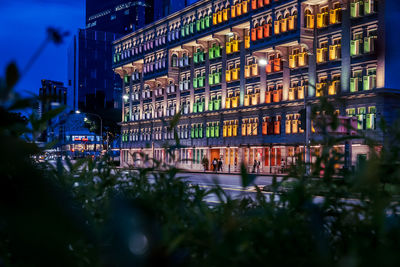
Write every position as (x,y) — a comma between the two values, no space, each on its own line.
(234,173)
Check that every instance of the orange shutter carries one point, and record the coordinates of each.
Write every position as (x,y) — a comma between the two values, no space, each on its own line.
(260,32)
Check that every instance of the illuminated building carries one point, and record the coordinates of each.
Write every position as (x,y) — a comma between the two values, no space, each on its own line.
(239,72)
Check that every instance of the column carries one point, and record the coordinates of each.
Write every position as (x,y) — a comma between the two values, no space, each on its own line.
(223,78)
(345,46)
(263,82)
(242,67)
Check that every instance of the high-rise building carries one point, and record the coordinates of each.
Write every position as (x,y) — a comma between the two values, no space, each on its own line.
(118,16)
(92,83)
(241,71)
(52,94)
(93,87)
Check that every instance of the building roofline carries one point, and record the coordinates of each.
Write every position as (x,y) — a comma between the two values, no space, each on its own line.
(170,16)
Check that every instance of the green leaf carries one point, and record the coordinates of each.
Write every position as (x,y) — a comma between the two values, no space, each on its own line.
(247,179)
(52,114)
(22,104)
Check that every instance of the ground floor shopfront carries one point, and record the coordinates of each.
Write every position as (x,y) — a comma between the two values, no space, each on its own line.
(80,150)
(267,158)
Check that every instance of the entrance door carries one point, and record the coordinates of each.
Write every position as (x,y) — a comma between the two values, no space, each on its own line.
(215,154)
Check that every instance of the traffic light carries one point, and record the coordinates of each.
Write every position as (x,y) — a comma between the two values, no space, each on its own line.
(302,119)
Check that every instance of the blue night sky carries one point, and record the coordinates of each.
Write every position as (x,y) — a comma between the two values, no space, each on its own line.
(23,25)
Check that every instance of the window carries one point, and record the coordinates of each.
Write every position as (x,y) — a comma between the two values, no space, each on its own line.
(371,118)
(361,118)
(322,52)
(174,60)
(356,43)
(369,81)
(335,50)
(369,41)
(309,20)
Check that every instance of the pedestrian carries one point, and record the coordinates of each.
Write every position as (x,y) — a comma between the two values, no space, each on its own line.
(214,163)
(258,166)
(205,163)
(220,165)
(254,166)
(282,165)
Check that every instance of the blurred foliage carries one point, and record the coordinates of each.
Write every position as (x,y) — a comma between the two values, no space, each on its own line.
(86,213)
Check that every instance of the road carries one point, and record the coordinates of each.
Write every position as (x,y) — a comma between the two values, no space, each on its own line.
(230,183)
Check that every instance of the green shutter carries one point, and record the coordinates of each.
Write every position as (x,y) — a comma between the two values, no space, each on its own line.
(201,131)
(352,47)
(353,84)
(208,131)
(217,77)
(195,82)
(211,79)
(201,106)
(368,7)
(217,51)
(192,132)
(217,104)
(201,81)
(367,44)
(208,21)
(212,129)
(201,56)
(187,29)
(195,107)
(196,57)
(191,27)
(211,53)
(366,83)
(216,130)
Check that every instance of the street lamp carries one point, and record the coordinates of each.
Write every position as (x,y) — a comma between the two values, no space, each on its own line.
(263,62)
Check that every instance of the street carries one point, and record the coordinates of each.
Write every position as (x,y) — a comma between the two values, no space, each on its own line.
(230,183)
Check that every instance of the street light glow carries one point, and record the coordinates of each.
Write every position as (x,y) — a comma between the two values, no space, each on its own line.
(85,119)
(125,97)
(262,62)
(77,111)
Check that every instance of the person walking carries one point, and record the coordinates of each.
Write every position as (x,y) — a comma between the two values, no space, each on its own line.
(214,163)
(258,166)
(282,165)
(220,165)
(205,163)
(254,166)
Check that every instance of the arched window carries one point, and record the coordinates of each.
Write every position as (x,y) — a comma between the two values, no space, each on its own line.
(286,15)
(308,17)
(174,60)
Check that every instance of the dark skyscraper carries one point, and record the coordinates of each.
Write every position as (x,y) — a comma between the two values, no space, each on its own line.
(52,95)
(118,16)
(163,8)
(92,84)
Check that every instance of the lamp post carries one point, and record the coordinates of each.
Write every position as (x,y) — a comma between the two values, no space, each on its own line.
(263,62)
(101,124)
